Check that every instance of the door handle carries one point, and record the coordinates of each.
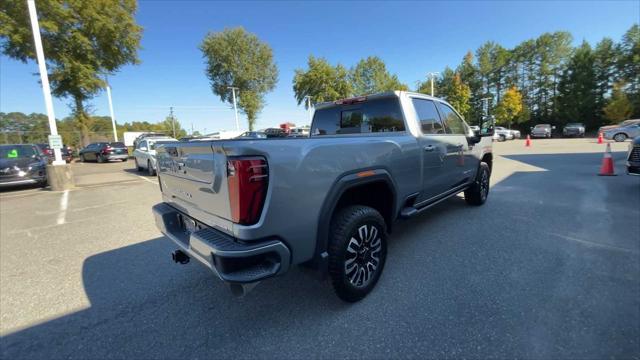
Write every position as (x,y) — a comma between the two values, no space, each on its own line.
(429,148)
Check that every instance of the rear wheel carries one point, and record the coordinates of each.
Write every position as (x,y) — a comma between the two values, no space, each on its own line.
(620,137)
(477,193)
(357,251)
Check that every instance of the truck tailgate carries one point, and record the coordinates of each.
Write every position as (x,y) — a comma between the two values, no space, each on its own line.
(193,178)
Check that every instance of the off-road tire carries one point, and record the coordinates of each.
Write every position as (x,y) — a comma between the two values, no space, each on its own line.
(477,193)
(346,226)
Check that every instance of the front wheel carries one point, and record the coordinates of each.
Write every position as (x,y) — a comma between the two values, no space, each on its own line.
(620,137)
(357,251)
(100,158)
(477,193)
(150,169)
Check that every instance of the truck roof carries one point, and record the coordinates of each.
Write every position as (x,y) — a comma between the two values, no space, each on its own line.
(381,95)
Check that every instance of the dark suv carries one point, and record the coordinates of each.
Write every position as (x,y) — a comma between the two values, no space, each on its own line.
(104,151)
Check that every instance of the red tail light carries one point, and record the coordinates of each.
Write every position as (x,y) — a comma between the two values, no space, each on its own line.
(248,179)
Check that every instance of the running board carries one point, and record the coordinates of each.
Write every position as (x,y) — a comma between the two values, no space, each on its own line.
(411,211)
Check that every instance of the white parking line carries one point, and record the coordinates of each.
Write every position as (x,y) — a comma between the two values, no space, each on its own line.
(64,203)
(147,180)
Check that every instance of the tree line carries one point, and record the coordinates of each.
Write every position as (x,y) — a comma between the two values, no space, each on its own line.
(19,128)
(540,80)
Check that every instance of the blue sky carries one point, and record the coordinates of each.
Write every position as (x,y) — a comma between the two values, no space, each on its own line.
(411,37)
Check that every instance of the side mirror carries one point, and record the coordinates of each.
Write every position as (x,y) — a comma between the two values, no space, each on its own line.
(142,148)
(486,125)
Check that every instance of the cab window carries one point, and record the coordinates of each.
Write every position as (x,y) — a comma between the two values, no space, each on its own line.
(428,116)
(453,123)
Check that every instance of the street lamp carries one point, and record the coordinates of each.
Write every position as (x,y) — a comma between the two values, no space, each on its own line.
(308,98)
(59,173)
(432,75)
(113,117)
(235,107)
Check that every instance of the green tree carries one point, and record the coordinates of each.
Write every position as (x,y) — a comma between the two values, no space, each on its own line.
(238,58)
(321,81)
(370,76)
(605,72)
(619,107)
(629,65)
(509,108)
(577,99)
(83,41)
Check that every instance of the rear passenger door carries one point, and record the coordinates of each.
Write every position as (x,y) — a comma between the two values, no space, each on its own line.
(434,149)
(459,164)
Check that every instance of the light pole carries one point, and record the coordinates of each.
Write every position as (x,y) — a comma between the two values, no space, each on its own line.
(432,75)
(59,173)
(235,107)
(113,117)
(308,98)
(485,105)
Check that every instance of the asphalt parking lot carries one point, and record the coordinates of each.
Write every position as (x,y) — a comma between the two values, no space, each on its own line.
(549,267)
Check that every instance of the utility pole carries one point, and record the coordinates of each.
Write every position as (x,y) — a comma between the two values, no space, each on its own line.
(308,98)
(113,117)
(173,122)
(432,75)
(191,128)
(235,106)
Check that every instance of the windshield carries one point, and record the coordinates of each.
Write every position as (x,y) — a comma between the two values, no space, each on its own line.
(16,151)
(542,126)
(574,125)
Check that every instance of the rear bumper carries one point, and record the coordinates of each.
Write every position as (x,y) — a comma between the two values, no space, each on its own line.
(633,168)
(230,259)
(117,156)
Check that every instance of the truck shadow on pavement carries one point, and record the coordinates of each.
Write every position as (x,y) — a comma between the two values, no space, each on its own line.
(460,281)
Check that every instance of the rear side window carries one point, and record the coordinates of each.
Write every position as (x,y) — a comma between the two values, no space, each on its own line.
(453,122)
(428,116)
(381,115)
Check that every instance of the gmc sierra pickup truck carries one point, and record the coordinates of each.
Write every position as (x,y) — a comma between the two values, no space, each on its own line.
(249,209)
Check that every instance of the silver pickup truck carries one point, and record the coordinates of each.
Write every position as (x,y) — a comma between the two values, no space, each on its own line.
(250,209)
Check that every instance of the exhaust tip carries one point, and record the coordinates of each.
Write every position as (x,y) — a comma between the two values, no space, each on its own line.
(179,256)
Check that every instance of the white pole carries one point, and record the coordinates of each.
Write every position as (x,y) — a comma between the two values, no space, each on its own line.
(433,75)
(113,117)
(309,108)
(235,107)
(44,78)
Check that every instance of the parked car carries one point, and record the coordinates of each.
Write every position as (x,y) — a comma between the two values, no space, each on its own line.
(602,129)
(299,132)
(275,133)
(504,133)
(104,151)
(144,155)
(22,164)
(145,135)
(622,133)
(542,131)
(633,157)
(516,133)
(573,129)
(45,149)
(252,135)
(67,154)
(251,210)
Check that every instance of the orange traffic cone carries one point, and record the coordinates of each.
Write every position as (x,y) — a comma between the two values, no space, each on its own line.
(528,142)
(607,163)
(599,138)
